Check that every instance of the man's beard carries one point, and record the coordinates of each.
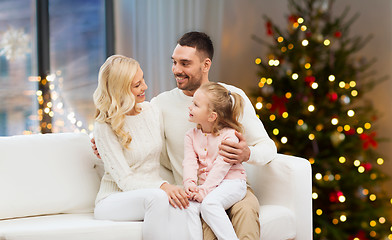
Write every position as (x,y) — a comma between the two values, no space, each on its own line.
(190,86)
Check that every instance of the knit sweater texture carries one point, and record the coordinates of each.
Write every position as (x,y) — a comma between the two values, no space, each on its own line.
(203,166)
(138,166)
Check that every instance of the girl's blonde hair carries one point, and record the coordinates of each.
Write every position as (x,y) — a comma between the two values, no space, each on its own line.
(227,105)
(113,97)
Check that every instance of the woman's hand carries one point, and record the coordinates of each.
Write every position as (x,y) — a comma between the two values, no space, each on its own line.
(233,152)
(177,196)
(94,147)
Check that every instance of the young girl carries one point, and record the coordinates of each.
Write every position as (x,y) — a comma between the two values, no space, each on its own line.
(128,135)
(213,184)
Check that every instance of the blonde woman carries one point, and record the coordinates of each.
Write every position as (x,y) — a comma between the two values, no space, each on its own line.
(213,184)
(128,135)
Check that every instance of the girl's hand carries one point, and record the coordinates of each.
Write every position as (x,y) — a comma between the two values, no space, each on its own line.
(177,196)
(197,197)
(191,189)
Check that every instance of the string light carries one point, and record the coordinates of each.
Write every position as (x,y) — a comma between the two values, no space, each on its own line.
(373,223)
(314,195)
(311,136)
(372,197)
(305,42)
(331,78)
(327,42)
(319,212)
(284,140)
(258,61)
(275,131)
(294,76)
(342,159)
(259,105)
(311,108)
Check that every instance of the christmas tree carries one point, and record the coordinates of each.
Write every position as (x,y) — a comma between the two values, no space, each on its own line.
(310,97)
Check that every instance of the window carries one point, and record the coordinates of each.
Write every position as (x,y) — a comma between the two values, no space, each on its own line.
(77,50)
(18,104)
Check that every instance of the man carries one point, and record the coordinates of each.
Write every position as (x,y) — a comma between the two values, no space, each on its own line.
(192,59)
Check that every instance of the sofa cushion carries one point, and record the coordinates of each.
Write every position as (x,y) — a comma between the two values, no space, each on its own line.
(277,223)
(68,226)
(46,174)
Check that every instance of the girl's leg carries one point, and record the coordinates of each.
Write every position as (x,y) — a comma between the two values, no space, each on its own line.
(217,201)
(193,221)
(150,205)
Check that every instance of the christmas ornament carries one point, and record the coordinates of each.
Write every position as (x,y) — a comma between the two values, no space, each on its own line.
(337,138)
(309,80)
(278,104)
(334,196)
(361,235)
(368,140)
(332,96)
(367,166)
(350,132)
(268,25)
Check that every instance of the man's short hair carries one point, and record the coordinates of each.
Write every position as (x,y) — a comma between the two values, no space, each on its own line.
(198,40)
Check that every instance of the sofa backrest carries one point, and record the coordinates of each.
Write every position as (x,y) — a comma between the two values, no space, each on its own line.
(47,174)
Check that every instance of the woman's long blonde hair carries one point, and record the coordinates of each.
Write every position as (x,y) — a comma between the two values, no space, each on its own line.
(113,97)
(228,106)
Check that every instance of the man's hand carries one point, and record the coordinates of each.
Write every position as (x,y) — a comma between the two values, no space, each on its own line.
(177,196)
(233,152)
(94,147)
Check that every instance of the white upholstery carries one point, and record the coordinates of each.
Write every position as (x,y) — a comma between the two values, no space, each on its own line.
(50,174)
(286,182)
(69,227)
(46,174)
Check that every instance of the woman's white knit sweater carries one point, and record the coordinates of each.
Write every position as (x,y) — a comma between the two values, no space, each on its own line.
(138,166)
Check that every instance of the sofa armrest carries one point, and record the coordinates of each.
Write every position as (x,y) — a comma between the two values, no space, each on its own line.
(285,181)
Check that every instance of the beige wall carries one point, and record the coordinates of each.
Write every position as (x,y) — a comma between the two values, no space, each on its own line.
(238,51)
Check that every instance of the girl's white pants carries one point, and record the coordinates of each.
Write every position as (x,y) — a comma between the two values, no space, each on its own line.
(161,220)
(213,208)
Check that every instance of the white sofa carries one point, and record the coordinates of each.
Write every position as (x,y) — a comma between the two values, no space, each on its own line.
(48,185)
